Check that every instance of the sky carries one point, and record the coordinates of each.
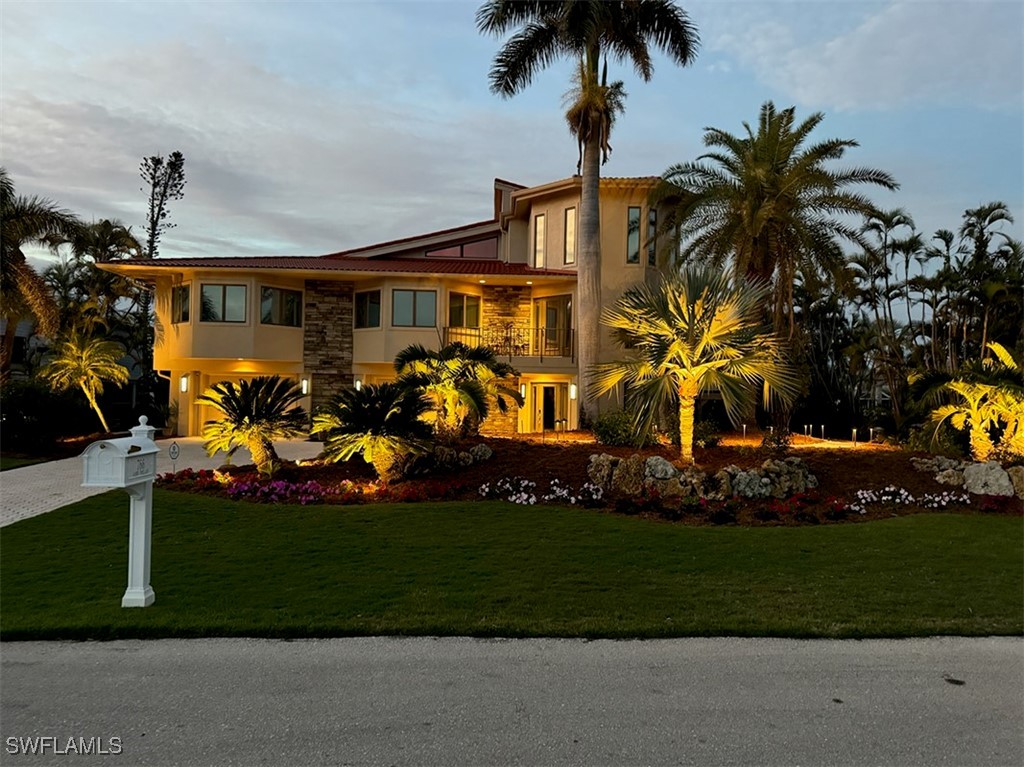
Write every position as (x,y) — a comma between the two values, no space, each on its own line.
(310,127)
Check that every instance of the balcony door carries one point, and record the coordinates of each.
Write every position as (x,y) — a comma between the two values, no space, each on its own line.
(552,322)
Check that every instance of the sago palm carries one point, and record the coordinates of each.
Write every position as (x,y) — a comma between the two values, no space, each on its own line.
(459,381)
(254,413)
(86,363)
(693,332)
(587,32)
(767,202)
(380,422)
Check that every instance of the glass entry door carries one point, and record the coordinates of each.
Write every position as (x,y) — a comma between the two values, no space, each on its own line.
(550,407)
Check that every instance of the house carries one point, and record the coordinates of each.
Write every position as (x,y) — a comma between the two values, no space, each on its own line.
(338,320)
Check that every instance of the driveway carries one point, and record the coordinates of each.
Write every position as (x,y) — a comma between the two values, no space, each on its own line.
(32,490)
(429,701)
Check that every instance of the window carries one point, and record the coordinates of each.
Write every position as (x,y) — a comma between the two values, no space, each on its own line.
(539,238)
(179,303)
(652,237)
(570,235)
(223,303)
(413,308)
(368,309)
(633,237)
(280,307)
(479,249)
(463,311)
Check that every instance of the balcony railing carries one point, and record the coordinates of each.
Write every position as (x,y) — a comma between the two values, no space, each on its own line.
(511,341)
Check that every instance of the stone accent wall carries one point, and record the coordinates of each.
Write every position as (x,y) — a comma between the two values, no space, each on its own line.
(503,304)
(327,338)
(498,424)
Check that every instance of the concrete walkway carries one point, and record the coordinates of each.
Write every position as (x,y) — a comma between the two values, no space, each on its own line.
(32,490)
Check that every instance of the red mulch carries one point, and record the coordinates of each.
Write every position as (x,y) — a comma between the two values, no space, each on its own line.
(841,471)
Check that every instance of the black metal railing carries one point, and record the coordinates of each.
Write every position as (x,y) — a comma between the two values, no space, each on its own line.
(514,341)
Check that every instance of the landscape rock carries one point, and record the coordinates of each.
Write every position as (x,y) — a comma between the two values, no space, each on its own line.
(1016,475)
(445,457)
(667,488)
(953,477)
(987,479)
(693,481)
(600,470)
(481,452)
(465,458)
(936,463)
(628,478)
(659,468)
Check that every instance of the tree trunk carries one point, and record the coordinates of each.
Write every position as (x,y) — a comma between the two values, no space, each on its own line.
(95,406)
(588,282)
(687,408)
(262,452)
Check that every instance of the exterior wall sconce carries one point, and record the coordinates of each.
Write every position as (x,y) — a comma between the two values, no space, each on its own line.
(183,383)
(522,390)
(358,384)
(572,391)
(304,385)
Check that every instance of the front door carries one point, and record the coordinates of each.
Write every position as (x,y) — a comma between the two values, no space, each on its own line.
(550,407)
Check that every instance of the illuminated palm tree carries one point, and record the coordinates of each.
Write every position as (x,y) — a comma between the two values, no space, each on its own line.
(588,32)
(255,412)
(694,332)
(86,363)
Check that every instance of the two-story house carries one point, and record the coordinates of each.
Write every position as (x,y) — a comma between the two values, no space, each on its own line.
(338,320)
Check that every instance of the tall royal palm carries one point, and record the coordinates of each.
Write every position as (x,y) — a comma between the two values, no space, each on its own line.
(588,32)
(767,203)
(693,332)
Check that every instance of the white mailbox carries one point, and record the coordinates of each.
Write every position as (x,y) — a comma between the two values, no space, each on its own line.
(130,464)
(120,462)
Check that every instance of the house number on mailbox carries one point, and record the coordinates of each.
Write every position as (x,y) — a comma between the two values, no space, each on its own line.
(142,466)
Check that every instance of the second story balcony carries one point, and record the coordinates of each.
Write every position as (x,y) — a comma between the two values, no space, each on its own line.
(512,341)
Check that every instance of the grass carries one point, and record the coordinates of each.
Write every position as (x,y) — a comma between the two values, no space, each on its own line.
(224,568)
(10,462)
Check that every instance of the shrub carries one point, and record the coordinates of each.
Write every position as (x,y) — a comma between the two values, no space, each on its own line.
(706,435)
(618,428)
(942,441)
(776,440)
(33,416)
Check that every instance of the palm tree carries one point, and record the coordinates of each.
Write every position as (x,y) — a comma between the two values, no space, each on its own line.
(459,380)
(106,240)
(587,32)
(693,332)
(86,363)
(27,221)
(766,202)
(255,412)
(380,422)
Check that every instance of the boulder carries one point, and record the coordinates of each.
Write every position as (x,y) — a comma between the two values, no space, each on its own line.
(465,458)
(953,477)
(667,488)
(658,468)
(628,478)
(600,470)
(481,452)
(721,486)
(693,481)
(1016,475)
(987,479)
(936,463)
(750,484)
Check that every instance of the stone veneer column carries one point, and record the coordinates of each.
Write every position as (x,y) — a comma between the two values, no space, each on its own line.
(504,304)
(327,338)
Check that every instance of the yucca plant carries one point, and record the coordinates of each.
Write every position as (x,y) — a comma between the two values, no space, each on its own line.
(694,332)
(380,422)
(255,412)
(86,363)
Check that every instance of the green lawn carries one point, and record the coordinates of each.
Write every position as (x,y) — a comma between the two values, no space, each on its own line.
(10,462)
(492,569)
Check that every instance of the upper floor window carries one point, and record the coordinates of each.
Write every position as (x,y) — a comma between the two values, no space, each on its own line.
(539,238)
(480,249)
(180,295)
(223,303)
(652,237)
(633,237)
(368,309)
(280,307)
(463,311)
(570,235)
(413,308)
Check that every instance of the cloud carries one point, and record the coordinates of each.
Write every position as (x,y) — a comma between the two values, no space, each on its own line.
(905,54)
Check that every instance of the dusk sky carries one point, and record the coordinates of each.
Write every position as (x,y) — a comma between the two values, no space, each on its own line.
(311,127)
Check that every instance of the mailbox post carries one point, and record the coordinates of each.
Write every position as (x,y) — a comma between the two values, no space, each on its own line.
(130,464)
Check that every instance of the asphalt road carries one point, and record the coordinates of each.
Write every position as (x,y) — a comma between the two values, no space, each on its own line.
(389,701)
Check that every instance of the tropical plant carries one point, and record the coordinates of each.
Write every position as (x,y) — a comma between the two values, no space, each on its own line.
(255,412)
(86,363)
(767,203)
(459,381)
(588,33)
(380,422)
(992,414)
(27,221)
(693,332)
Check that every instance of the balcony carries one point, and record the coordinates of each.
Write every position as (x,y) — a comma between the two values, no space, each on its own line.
(512,341)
